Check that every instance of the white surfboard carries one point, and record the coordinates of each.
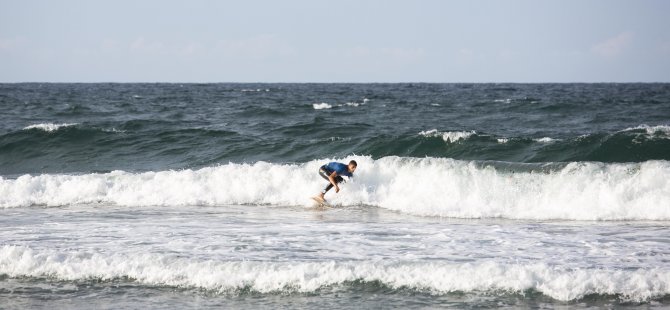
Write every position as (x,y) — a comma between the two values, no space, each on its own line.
(319,202)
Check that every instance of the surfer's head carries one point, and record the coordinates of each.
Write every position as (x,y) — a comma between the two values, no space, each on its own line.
(352,166)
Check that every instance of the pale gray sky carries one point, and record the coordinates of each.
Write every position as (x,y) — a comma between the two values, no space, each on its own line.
(335,41)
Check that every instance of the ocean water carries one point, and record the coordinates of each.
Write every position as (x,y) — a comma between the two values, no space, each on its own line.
(466,196)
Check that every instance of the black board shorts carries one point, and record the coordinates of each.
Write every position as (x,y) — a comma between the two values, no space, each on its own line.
(324,172)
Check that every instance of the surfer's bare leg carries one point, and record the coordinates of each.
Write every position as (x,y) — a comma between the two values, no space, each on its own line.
(332,178)
(324,174)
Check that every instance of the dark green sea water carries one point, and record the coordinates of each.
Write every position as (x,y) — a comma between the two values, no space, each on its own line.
(140,127)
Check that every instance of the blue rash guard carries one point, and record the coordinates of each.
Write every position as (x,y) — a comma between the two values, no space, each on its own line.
(340,168)
(326,170)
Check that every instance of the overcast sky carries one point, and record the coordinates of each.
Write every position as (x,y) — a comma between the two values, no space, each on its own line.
(335,41)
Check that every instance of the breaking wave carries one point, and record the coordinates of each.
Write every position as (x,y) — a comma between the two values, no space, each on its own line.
(419,186)
(269,277)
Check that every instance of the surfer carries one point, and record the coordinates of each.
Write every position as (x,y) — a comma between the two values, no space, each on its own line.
(333,172)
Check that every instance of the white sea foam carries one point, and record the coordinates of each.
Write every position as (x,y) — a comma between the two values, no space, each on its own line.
(320,106)
(114,130)
(49,127)
(437,277)
(503,100)
(356,104)
(324,105)
(503,140)
(661,131)
(448,136)
(545,140)
(422,186)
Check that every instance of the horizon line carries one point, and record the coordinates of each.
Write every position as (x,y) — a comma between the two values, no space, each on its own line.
(337,82)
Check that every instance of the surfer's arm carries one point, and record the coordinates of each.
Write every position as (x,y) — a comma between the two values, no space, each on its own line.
(331,178)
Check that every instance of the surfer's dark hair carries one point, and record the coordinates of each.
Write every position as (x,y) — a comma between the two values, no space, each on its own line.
(353,162)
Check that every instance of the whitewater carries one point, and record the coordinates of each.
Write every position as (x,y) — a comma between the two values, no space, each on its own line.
(418,186)
(265,277)
(287,250)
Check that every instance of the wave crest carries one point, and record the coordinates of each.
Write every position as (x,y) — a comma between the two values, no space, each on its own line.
(321,106)
(49,127)
(268,277)
(420,186)
(448,136)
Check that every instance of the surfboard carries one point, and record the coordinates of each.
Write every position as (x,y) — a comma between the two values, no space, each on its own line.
(321,202)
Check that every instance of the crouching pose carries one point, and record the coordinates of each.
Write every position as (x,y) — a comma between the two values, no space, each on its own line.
(333,172)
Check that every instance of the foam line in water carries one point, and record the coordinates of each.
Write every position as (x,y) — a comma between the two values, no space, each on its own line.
(321,106)
(660,131)
(267,277)
(448,136)
(324,105)
(49,127)
(421,186)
